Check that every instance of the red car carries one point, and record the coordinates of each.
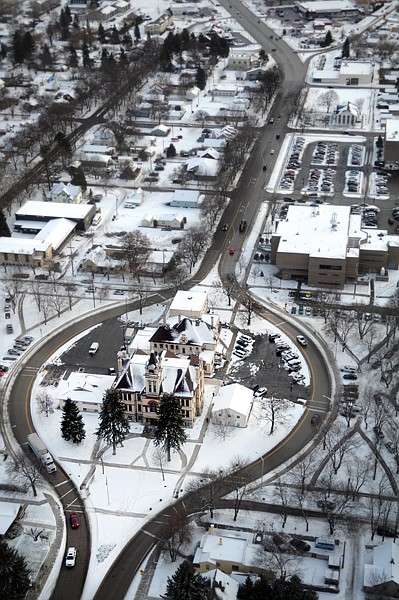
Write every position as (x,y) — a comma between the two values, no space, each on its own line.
(74,521)
(232,251)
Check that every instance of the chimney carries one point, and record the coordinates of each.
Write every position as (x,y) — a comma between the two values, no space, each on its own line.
(212,529)
(212,321)
(164,318)
(220,542)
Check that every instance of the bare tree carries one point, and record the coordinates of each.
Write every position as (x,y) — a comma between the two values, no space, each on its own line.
(338,443)
(193,245)
(212,207)
(34,533)
(176,531)
(137,249)
(57,299)
(273,410)
(281,492)
(227,287)
(300,477)
(222,426)
(70,290)
(329,99)
(238,479)
(45,402)
(209,489)
(359,471)
(27,470)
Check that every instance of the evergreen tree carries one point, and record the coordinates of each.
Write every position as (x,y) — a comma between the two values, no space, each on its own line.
(18,47)
(86,55)
(328,40)
(72,426)
(68,13)
(114,425)
(346,49)
(29,43)
(73,58)
(46,57)
(78,177)
(4,229)
(101,34)
(186,584)
(380,142)
(14,574)
(279,589)
(170,432)
(137,33)
(171,151)
(64,24)
(200,78)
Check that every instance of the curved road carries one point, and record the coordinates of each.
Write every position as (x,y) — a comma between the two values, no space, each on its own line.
(245,201)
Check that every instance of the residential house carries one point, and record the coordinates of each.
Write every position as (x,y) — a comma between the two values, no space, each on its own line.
(232,405)
(146,377)
(65,193)
(135,199)
(381,578)
(97,161)
(160,24)
(240,61)
(224,587)
(229,551)
(203,169)
(185,199)
(171,221)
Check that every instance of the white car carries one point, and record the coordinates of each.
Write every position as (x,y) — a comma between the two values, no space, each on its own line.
(302,340)
(298,377)
(348,369)
(260,392)
(70,558)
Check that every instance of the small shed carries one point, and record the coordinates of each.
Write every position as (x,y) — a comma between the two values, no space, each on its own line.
(232,405)
(161,130)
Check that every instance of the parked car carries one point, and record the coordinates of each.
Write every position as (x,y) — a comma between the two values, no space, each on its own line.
(260,392)
(350,376)
(348,369)
(326,505)
(300,545)
(274,336)
(387,531)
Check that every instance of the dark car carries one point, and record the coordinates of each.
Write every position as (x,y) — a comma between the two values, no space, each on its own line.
(273,337)
(350,376)
(225,227)
(74,521)
(325,505)
(300,545)
(315,418)
(387,531)
(243,225)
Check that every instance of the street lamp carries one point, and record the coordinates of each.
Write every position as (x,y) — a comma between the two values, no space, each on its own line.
(163,264)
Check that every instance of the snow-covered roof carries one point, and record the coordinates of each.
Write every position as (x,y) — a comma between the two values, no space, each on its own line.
(385,567)
(203,166)
(352,67)
(70,190)
(320,6)
(85,387)
(225,586)
(234,397)
(209,153)
(187,331)
(21,246)
(188,302)
(392,130)
(185,196)
(8,514)
(55,232)
(168,217)
(321,231)
(54,210)
(215,548)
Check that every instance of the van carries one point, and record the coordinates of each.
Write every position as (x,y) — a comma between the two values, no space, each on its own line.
(93,348)
(325,543)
